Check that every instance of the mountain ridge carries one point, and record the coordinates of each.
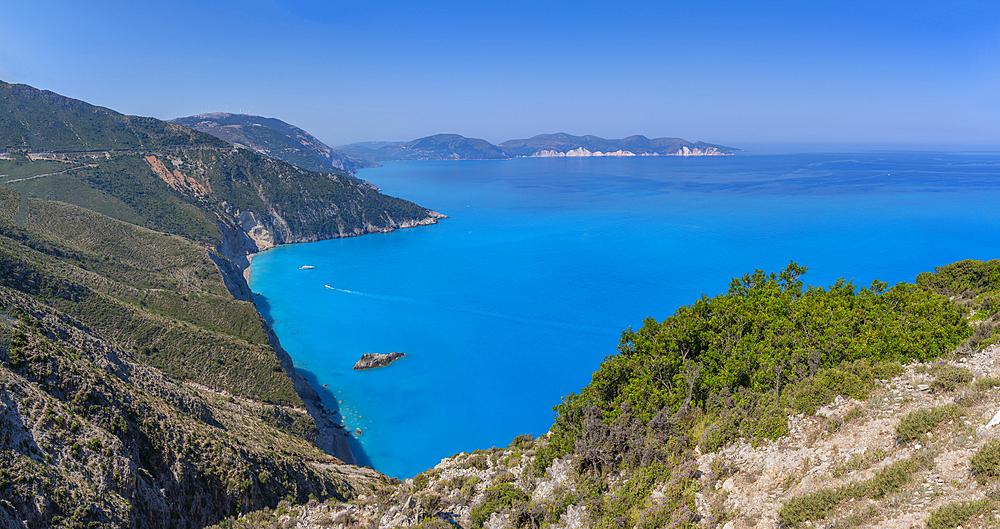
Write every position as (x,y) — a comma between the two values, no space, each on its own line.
(273,138)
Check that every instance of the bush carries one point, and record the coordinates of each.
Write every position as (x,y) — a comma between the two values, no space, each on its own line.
(950,378)
(955,514)
(987,383)
(796,511)
(985,464)
(917,423)
(502,496)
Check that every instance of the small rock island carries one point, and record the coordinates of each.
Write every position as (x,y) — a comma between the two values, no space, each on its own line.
(373,360)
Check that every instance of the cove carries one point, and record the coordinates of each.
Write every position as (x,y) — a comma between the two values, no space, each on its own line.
(512,302)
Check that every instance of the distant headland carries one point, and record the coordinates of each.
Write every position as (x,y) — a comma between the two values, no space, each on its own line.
(276,139)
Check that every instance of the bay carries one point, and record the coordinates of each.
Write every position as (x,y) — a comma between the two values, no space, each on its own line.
(514,301)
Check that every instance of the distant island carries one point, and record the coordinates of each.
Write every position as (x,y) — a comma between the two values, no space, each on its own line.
(456,147)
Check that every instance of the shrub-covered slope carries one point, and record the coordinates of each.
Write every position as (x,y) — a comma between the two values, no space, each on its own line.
(91,438)
(159,296)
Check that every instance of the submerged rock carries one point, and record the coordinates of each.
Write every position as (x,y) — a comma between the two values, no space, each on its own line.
(373,360)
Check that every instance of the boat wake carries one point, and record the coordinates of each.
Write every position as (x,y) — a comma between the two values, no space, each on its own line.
(542,322)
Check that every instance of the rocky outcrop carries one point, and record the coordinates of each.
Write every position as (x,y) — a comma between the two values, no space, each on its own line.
(373,360)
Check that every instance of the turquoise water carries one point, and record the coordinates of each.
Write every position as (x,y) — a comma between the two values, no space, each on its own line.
(516,299)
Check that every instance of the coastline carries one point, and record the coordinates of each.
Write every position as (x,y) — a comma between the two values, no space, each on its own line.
(239,248)
(331,436)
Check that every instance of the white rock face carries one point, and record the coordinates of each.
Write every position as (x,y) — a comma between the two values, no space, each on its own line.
(498,521)
(556,474)
(575,518)
(580,152)
(256,230)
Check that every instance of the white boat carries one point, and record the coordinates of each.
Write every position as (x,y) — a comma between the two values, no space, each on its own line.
(307,267)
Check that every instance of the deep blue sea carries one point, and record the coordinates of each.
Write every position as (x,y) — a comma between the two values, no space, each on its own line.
(516,299)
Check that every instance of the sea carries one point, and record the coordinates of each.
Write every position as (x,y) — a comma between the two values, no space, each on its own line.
(514,301)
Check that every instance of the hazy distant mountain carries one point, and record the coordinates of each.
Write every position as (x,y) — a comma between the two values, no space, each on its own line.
(437,147)
(273,138)
(562,144)
(455,147)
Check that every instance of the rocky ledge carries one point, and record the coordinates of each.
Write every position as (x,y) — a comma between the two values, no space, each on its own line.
(373,360)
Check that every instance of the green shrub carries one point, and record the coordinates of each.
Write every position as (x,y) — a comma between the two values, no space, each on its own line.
(522,442)
(970,275)
(987,383)
(502,496)
(796,511)
(985,464)
(859,462)
(917,423)
(950,378)
(955,514)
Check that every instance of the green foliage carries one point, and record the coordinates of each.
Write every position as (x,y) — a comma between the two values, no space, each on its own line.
(970,275)
(851,379)
(956,513)
(522,442)
(985,463)
(974,285)
(987,383)
(502,496)
(732,365)
(916,424)
(859,462)
(766,334)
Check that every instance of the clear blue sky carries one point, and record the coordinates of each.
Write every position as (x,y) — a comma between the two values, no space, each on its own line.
(920,74)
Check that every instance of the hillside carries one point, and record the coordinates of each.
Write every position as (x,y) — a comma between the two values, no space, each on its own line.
(39,120)
(141,387)
(920,451)
(170,178)
(275,139)
(95,313)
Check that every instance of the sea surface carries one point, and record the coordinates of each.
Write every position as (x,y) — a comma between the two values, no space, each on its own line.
(513,301)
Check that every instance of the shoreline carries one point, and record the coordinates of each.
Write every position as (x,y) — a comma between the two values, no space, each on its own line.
(331,436)
(239,249)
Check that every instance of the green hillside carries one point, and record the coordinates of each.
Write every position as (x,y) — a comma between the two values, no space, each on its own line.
(39,120)
(93,313)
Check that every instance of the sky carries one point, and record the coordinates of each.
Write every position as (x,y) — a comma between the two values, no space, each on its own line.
(768,73)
